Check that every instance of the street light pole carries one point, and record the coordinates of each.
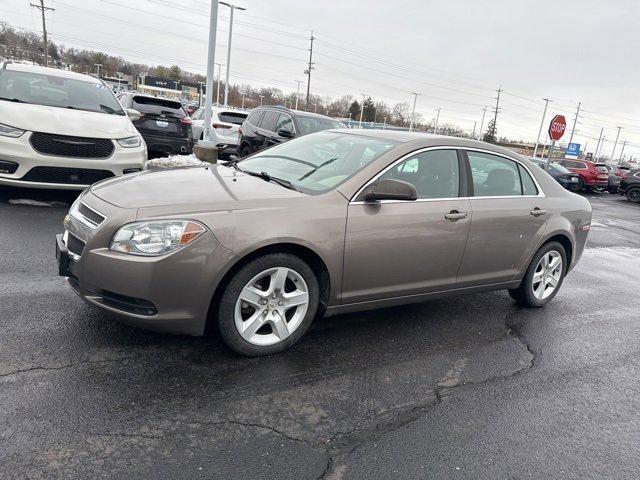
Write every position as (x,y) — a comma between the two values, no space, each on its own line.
(484,112)
(622,151)
(595,153)
(243,94)
(211,59)
(218,89)
(544,114)
(226,81)
(298,93)
(615,143)
(200,96)
(361,110)
(413,111)
(435,126)
(98,65)
(261,97)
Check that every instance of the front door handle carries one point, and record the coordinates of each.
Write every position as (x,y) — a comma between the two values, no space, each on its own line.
(536,212)
(454,215)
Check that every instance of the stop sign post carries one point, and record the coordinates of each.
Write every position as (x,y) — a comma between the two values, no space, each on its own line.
(556,129)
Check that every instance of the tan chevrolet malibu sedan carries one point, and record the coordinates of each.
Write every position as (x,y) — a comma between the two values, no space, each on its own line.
(333,222)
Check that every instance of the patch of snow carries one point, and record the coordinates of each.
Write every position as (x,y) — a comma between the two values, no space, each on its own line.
(174,161)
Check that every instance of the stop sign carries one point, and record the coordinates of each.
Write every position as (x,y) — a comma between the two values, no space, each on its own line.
(557,127)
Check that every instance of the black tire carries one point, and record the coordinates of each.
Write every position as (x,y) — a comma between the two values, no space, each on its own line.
(245,151)
(226,308)
(524,295)
(633,195)
(578,187)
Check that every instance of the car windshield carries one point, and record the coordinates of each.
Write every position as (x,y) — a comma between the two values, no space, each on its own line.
(310,124)
(57,91)
(319,162)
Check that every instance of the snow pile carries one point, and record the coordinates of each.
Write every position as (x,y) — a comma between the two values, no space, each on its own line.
(174,161)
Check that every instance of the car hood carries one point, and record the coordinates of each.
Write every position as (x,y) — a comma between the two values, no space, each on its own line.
(213,187)
(65,121)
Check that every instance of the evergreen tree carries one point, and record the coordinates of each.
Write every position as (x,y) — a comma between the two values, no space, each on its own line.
(490,136)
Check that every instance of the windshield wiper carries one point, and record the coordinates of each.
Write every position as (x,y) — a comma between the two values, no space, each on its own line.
(268,178)
(314,170)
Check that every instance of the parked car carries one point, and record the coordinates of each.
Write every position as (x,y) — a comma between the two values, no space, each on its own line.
(591,177)
(163,123)
(268,126)
(615,176)
(63,130)
(336,221)
(190,107)
(630,186)
(226,124)
(561,174)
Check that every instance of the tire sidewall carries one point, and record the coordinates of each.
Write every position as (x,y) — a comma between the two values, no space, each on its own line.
(527,286)
(578,187)
(245,151)
(630,196)
(226,308)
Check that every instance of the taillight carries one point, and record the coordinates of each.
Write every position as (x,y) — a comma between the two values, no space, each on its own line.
(220,125)
(186,120)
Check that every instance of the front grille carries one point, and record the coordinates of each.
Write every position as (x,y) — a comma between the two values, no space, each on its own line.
(71,176)
(90,215)
(75,245)
(67,146)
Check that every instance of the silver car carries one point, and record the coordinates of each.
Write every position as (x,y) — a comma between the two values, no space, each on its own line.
(333,222)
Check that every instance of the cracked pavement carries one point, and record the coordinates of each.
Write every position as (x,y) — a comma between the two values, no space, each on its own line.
(472,387)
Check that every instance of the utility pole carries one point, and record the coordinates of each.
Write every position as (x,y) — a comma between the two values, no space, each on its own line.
(211,59)
(473,134)
(43,10)
(615,143)
(413,111)
(298,93)
(261,97)
(435,125)
(98,65)
(361,111)
(226,81)
(624,144)
(601,146)
(243,94)
(309,68)
(575,120)
(496,110)
(484,111)
(544,114)
(595,153)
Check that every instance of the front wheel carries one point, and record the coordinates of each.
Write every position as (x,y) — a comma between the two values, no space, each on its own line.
(543,278)
(268,305)
(579,186)
(633,195)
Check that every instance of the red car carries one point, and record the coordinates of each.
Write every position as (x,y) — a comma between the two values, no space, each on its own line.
(591,177)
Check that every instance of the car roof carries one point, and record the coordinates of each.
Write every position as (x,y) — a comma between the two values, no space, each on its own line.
(21,67)
(292,111)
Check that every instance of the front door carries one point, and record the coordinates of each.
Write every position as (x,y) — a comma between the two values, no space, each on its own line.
(397,248)
(509,218)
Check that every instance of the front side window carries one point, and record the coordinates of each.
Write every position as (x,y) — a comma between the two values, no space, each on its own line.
(434,173)
(319,162)
(57,91)
(495,176)
(197,115)
(284,123)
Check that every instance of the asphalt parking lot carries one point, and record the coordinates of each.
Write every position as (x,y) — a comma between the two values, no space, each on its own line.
(465,388)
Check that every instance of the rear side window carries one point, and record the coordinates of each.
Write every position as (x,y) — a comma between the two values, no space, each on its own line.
(158,106)
(495,176)
(269,121)
(254,118)
(232,117)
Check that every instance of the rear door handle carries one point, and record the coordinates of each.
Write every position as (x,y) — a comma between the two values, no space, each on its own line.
(536,212)
(454,215)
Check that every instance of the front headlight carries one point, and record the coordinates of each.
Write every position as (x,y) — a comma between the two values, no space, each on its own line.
(130,142)
(9,131)
(155,237)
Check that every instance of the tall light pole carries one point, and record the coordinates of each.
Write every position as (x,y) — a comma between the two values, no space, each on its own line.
(98,65)
(200,96)
(435,125)
(211,59)
(544,114)
(226,81)
(218,89)
(298,93)
(615,143)
(413,110)
(601,146)
(361,110)
(484,112)
(261,97)
(624,144)
(243,94)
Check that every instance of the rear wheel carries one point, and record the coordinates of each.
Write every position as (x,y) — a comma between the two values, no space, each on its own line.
(543,278)
(578,186)
(268,305)
(633,195)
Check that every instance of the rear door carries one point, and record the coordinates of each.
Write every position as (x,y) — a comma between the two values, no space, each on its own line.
(161,117)
(509,218)
(398,248)
(228,125)
(266,132)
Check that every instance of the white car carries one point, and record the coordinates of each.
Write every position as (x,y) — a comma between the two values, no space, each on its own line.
(64,130)
(226,124)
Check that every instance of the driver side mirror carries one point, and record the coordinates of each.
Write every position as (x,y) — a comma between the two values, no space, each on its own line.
(284,133)
(389,189)
(133,114)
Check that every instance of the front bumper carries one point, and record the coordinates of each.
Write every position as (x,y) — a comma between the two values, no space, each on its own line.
(171,293)
(20,152)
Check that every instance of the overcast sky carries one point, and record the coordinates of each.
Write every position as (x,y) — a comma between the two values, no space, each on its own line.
(456,53)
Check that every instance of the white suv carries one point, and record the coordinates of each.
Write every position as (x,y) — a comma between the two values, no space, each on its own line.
(65,130)
(226,124)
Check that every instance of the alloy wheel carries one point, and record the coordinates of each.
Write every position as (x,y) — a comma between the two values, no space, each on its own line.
(547,275)
(271,306)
